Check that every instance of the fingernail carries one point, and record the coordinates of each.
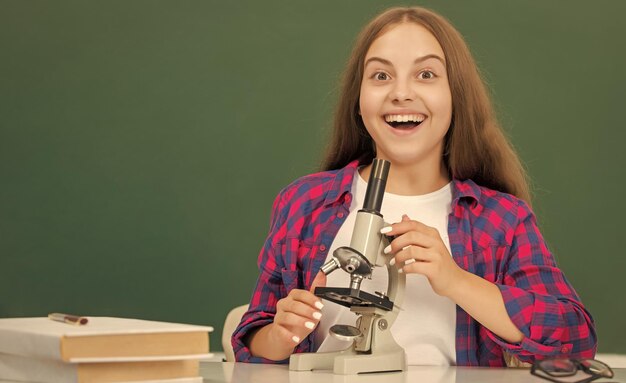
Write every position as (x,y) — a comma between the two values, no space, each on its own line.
(409,261)
(319,305)
(295,339)
(406,247)
(400,271)
(392,262)
(386,229)
(387,249)
(317,315)
(309,325)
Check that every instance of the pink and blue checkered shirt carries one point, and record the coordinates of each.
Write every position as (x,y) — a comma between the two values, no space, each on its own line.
(493,235)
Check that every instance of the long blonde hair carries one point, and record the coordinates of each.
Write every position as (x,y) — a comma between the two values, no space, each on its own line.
(475,145)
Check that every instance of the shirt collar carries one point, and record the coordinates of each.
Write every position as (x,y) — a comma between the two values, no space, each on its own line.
(465,189)
(342,183)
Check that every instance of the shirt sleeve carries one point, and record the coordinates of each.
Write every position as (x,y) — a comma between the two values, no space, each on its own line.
(540,301)
(270,288)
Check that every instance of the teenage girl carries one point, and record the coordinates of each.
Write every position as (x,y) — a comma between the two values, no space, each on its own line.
(481,286)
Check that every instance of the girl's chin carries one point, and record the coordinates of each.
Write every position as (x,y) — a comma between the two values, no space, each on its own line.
(399,159)
(409,156)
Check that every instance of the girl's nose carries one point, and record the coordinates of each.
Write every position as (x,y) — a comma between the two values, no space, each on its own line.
(403,91)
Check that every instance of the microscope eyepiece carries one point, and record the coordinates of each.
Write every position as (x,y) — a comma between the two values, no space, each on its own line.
(376,186)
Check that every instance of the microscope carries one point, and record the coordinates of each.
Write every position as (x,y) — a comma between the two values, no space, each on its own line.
(374,348)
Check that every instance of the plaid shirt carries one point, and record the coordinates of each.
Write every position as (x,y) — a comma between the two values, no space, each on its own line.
(492,234)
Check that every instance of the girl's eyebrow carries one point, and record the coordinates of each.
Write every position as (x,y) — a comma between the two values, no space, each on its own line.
(417,60)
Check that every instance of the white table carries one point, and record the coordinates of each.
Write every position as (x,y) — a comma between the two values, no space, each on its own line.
(215,372)
(225,372)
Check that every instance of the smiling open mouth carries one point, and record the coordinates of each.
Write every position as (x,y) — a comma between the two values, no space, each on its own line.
(404,121)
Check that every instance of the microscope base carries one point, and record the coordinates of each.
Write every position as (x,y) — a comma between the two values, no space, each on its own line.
(349,362)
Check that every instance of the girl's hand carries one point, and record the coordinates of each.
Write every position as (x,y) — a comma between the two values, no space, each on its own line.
(419,249)
(297,315)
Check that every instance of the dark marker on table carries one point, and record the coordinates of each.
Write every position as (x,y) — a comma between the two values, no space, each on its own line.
(67,318)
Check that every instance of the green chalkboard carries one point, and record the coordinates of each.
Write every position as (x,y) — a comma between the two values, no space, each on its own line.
(142,142)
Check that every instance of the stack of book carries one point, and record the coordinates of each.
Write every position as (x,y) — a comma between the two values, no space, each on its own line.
(102,350)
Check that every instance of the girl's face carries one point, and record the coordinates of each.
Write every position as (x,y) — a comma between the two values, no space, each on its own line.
(405,99)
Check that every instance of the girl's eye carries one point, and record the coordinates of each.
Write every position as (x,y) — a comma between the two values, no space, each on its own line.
(426,75)
(381,76)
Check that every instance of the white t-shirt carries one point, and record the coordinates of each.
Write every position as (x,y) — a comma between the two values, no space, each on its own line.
(426,326)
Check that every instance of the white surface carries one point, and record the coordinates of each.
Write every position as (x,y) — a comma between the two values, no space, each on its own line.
(613,360)
(264,373)
(223,372)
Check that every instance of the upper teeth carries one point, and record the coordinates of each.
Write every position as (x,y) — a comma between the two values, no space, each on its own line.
(404,117)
